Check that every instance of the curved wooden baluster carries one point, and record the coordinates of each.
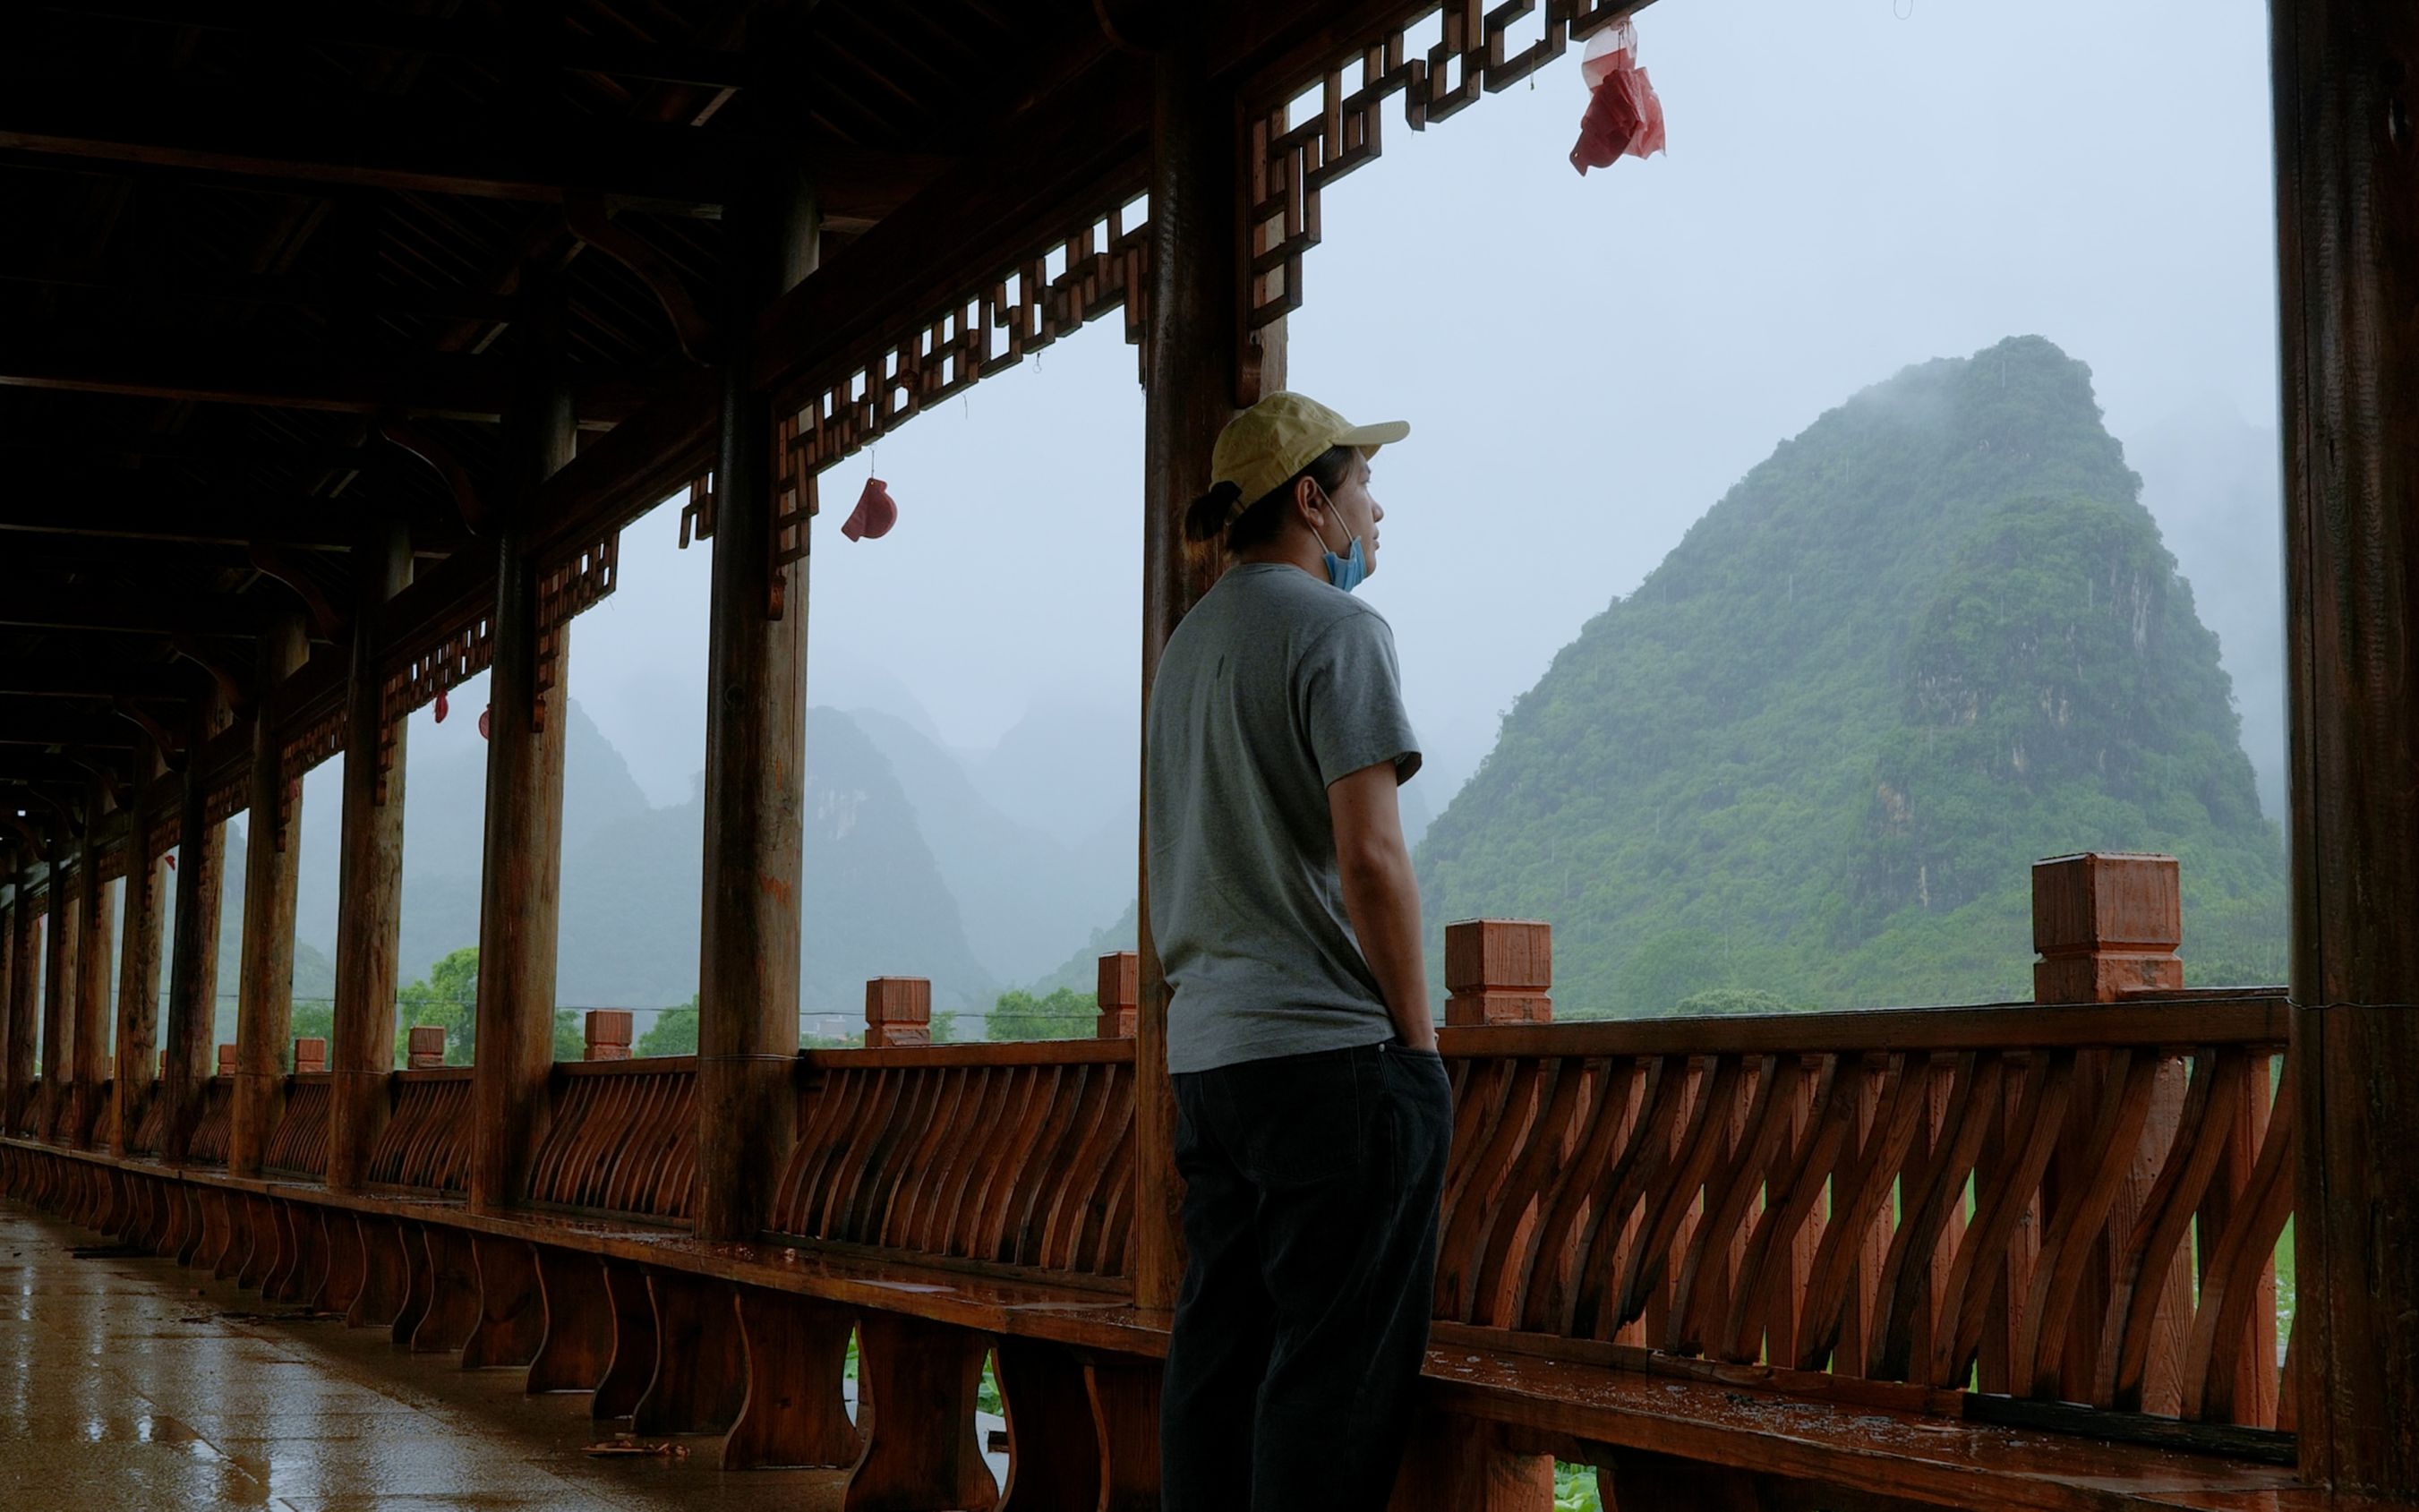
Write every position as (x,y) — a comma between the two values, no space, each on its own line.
(1543,1283)
(1905,1287)
(1701,1293)
(1596,1259)
(2219,1080)
(1790,1202)
(1495,1095)
(1906,1099)
(1081,1103)
(2230,1285)
(1709,1127)
(1508,1167)
(2073,1240)
(1966,1301)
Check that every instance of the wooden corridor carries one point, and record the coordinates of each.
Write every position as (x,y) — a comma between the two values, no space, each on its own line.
(343,342)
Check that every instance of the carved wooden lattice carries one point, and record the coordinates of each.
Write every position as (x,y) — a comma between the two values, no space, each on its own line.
(563,590)
(226,799)
(1474,54)
(461,654)
(1073,277)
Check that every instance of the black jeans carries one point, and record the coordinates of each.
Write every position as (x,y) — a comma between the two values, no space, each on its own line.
(1310,1226)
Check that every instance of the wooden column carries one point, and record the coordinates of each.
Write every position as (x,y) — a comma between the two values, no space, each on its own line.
(2347,115)
(58,982)
(185,1061)
(369,870)
(265,991)
(755,757)
(1197,378)
(88,1045)
(138,962)
(520,877)
(16,1045)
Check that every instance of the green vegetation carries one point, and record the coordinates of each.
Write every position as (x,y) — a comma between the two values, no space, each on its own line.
(1930,641)
(1063,1014)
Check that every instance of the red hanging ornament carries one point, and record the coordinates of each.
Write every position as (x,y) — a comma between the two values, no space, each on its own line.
(1623,116)
(874,514)
(440,705)
(482,720)
(171,860)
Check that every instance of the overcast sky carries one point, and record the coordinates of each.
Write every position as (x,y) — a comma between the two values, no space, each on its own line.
(1587,363)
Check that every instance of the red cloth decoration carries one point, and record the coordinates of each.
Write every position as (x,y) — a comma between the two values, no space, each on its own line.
(440,705)
(874,514)
(1623,116)
(171,860)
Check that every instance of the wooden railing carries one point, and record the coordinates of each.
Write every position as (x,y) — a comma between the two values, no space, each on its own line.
(426,1142)
(299,1144)
(1008,1154)
(153,1125)
(623,1138)
(208,1146)
(2006,1198)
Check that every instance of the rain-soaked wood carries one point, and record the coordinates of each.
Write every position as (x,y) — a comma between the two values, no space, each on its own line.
(512,1305)
(369,871)
(265,993)
(793,1413)
(578,1344)
(521,870)
(632,1361)
(1199,369)
(755,753)
(88,1041)
(2347,97)
(916,1384)
(451,1310)
(138,966)
(699,1382)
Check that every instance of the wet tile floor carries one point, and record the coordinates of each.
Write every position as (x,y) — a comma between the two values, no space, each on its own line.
(124,1384)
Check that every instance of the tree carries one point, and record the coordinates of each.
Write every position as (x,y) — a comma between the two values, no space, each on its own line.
(674,1033)
(1727,1001)
(1064,1015)
(447,998)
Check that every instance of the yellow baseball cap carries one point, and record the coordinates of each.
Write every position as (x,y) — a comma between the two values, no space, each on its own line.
(1283,433)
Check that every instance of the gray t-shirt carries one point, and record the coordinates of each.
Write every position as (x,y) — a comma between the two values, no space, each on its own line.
(1275,684)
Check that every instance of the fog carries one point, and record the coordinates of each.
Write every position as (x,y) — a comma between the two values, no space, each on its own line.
(1587,363)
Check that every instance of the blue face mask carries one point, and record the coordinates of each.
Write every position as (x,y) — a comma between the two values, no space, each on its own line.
(1348,570)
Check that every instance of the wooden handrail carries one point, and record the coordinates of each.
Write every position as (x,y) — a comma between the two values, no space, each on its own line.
(2248,1017)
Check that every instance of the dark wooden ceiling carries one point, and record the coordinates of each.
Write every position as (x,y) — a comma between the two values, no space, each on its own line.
(261,264)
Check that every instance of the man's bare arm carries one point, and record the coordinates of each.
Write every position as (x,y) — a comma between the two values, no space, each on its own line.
(1380,895)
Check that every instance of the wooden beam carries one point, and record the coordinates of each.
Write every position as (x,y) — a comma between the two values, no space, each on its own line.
(265,989)
(453,386)
(755,764)
(365,141)
(369,875)
(2347,118)
(1189,393)
(123,507)
(286,21)
(187,1057)
(43,608)
(138,968)
(520,871)
(53,722)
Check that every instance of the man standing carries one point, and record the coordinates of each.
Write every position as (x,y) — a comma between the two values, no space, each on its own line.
(1313,1114)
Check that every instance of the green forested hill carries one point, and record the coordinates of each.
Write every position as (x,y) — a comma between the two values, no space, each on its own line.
(1930,639)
